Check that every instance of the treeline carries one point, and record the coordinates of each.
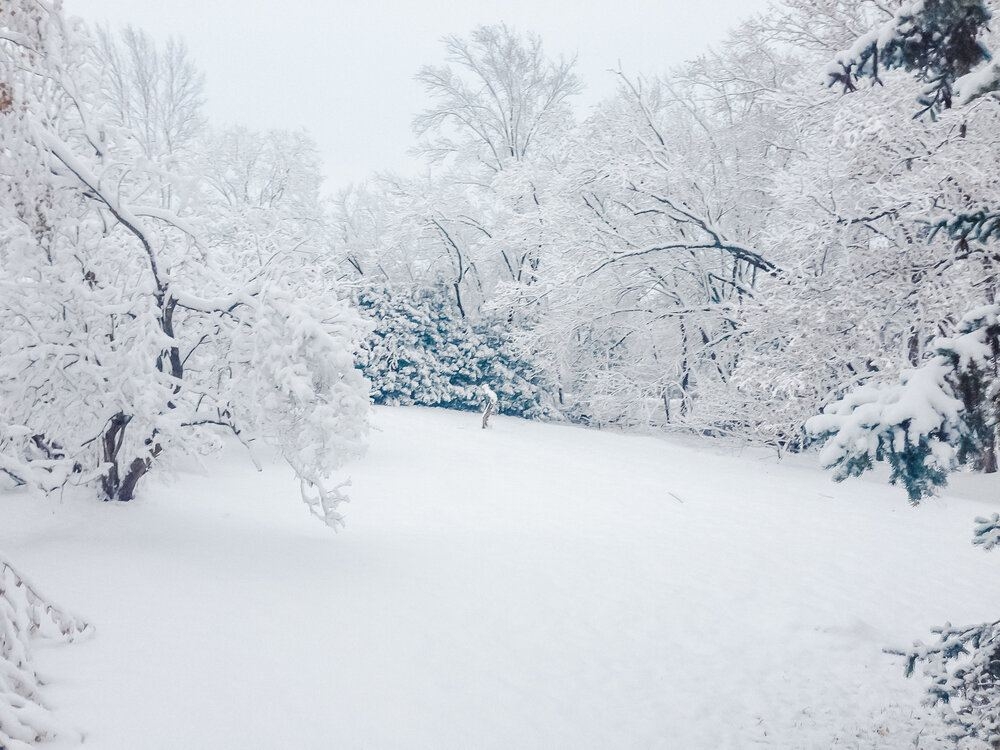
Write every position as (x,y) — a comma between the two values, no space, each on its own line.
(726,248)
(729,248)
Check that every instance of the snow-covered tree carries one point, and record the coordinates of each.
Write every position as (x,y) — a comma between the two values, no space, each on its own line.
(942,413)
(418,351)
(498,98)
(155,93)
(421,351)
(130,329)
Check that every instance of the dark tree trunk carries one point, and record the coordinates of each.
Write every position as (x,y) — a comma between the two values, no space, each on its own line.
(115,486)
(111,444)
(136,470)
(913,347)
(458,298)
(990,459)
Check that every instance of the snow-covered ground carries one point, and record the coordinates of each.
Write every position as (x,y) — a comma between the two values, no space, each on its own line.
(530,586)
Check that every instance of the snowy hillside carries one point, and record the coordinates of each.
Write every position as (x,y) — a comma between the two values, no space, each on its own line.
(529,586)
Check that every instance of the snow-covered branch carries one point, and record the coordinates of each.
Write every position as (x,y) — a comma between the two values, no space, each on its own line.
(26,615)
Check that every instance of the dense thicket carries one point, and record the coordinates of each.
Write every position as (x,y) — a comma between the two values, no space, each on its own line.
(421,352)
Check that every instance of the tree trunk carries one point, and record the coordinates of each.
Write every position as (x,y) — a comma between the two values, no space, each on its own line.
(458,298)
(111,444)
(114,486)
(988,458)
(136,470)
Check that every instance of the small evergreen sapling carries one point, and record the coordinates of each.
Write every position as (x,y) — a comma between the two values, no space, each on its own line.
(489,404)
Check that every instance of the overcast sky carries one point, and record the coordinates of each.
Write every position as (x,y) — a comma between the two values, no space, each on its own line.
(344,70)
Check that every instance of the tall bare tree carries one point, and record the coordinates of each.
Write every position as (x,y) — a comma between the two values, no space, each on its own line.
(495,98)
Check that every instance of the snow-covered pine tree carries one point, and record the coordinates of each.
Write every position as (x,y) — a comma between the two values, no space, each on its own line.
(421,351)
(938,40)
(416,352)
(943,413)
(938,417)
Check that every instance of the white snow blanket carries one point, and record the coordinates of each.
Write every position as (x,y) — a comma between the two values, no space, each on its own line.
(530,586)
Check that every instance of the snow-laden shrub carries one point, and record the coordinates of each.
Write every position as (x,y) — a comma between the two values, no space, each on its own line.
(24,616)
(422,352)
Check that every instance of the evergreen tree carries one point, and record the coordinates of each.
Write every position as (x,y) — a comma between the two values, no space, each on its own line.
(937,417)
(938,40)
(412,354)
(521,384)
(421,351)
(943,414)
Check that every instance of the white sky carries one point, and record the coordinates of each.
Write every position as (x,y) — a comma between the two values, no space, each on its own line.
(344,70)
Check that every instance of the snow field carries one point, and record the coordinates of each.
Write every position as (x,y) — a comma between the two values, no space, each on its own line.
(529,586)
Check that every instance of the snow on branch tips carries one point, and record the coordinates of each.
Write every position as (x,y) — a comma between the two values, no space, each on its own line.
(909,424)
(937,416)
(24,616)
(963,670)
(987,532)
(939,40)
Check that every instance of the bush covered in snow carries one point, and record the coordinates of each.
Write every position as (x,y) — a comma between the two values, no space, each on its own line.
(421,351)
